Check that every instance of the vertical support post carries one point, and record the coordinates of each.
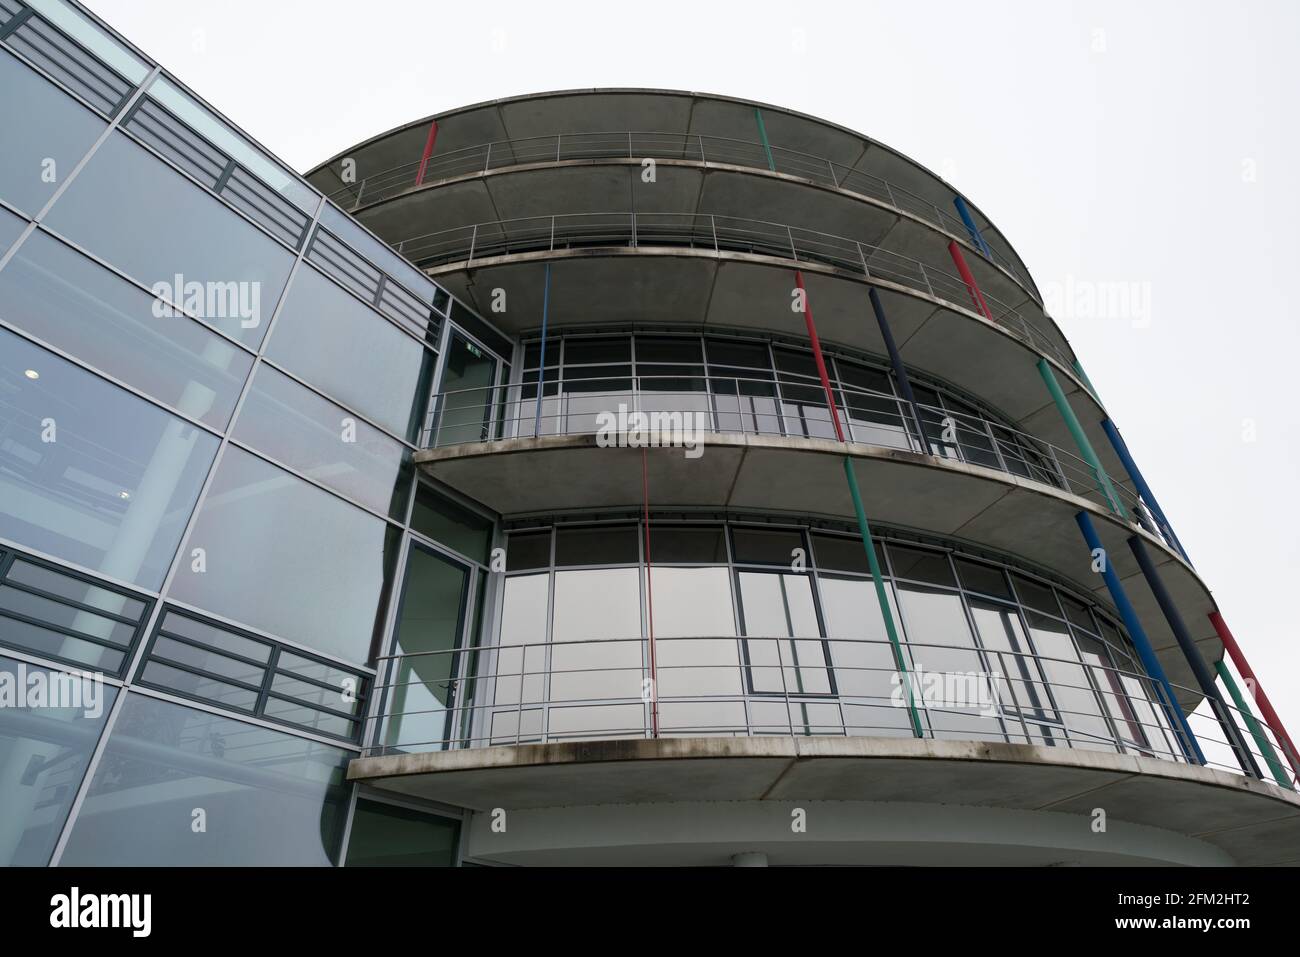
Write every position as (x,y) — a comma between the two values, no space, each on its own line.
(541,363)
(1256,732)
(1150,662)
(969,279)
(1231,733)
(964,212)
(896,360)
(428,151)
(1080,438)
(649,597)
(1257,690)
(762,136)
(1121,449)
(864,529)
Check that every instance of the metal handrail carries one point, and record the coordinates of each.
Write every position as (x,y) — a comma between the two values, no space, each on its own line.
(712,232)
(499,412)
(488,681)
(639,145)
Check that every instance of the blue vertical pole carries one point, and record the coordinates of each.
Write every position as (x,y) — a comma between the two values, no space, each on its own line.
(964,212)
(1232,734)
(900,371)
(1149,660)
(541,364)
(1144,490)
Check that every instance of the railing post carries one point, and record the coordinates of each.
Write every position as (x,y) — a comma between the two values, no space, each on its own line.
(714,224)
(926,279)
(360,191)
(831,166)
(793,252)
(634,229)
(863,256)
(558,136)
(487,158)
(701,139)
(473,241)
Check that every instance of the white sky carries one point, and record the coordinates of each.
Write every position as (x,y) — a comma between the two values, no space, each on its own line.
(1152,143)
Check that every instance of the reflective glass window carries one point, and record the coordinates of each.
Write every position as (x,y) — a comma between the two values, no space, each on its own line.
(90,473)
(323,441)
(385,835)
(597,545)
(454,525)
(132,210)
(328,338)
(290,559)
(268,798)
(46,133)
(54,292)
(45,747)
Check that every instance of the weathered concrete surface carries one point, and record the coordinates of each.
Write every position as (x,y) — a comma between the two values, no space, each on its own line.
(1249,822)
(775,475)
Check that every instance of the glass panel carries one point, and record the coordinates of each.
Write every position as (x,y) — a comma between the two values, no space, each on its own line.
(11,227)
(44,752)
(876,417)
(453,525)
(526,550)
(18,602)
(1022,686)
(125,205)
(55,293)
(46,133)
(384,835)
(325,442)
(197,686)
(428,634)
(866,671)
(234,145)
(520,671)
(270,799)
(185,627)
(597,545)
(330,339)
(467,394)
(696,654)
(921,565)
(697,546)
(597,645)
(844,553)
(767,546)
(90,473)
(1079,707)
(90,36)
(74,589)
(288,558)
(985,579)
(781,605)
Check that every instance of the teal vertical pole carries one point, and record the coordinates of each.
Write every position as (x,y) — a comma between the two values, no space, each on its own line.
(874,564)
(1139,636)
(1256,732)
(762,135)
(1080,438)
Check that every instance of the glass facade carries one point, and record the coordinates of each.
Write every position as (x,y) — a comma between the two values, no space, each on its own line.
(214,387)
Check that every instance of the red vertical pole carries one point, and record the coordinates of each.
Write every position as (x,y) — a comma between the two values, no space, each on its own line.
(428,151)
(817,354)
(960,261)
(649,599)
(1257,690)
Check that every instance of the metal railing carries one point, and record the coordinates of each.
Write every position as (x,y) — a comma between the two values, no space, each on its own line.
(741,686)
(640,145)
(716,233)
(706,402)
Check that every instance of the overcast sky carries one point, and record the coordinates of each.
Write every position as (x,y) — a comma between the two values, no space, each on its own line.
(1152,143)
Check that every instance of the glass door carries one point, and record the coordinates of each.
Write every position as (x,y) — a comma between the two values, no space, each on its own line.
(467,393)
(427,648)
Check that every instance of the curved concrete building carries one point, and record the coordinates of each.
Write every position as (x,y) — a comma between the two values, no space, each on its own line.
(598,477)
(718,346)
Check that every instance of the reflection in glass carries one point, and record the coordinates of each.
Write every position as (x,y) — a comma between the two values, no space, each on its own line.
(269,798)
(44,753)
(778,606)
(467,394)
(385,835)
(52,291)
(520,666)
(90,473)
(283,556)
(428,636)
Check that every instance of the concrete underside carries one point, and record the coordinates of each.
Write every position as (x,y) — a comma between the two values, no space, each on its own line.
(646,110)
(667,287)
(804,477)
(687,188)
(865,801)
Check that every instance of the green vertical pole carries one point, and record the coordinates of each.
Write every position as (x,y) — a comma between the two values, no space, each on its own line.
(865,530)
(1080,438)
(762,135)
(1256,732)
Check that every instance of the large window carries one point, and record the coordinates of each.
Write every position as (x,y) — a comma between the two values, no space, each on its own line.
(763,629)
(275,553)
(177,787)
(90,473)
